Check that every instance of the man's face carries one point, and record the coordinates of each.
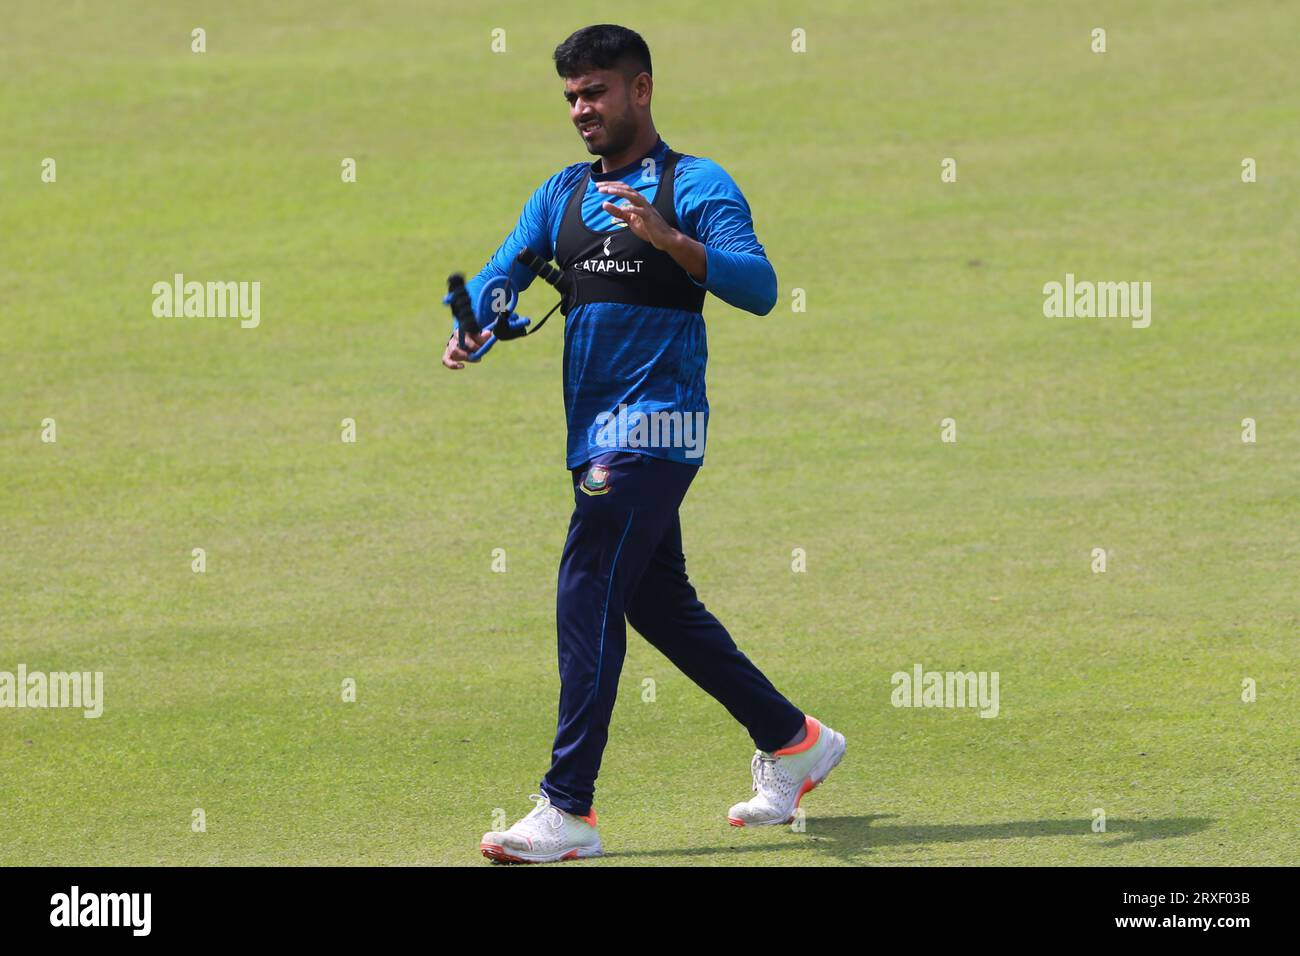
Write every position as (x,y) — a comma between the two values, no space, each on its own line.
(600,105)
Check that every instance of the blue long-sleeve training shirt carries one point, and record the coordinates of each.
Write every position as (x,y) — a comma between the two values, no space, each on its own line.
(626,365)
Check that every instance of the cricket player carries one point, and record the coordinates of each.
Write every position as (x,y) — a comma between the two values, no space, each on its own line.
(645,231)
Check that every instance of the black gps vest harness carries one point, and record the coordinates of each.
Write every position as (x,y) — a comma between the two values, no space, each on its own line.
(618,266)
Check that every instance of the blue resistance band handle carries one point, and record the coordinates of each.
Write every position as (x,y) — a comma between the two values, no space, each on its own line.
(495,301)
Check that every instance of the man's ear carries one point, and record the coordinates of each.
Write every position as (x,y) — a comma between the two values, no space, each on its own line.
(643,86)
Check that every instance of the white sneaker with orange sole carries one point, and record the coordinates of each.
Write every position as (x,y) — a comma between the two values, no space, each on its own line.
(782,778)
(545,835)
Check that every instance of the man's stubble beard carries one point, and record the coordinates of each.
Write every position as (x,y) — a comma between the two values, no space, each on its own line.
(618,137)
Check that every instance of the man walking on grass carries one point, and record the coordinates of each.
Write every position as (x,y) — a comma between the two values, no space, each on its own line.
(645,232)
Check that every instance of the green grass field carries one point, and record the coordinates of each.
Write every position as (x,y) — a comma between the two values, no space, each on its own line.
(371,560)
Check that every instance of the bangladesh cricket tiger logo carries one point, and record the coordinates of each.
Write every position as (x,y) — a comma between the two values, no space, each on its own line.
(596,481)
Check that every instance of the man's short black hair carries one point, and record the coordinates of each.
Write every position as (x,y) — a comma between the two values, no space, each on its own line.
(603,47)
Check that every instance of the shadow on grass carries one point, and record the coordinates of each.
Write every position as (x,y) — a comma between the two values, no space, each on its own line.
(852,839)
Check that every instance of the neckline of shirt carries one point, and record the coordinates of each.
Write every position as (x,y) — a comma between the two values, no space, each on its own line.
(597,176)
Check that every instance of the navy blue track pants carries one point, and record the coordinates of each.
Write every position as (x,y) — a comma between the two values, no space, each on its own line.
(623,557)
